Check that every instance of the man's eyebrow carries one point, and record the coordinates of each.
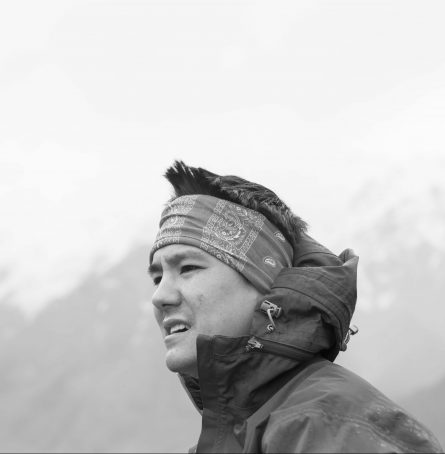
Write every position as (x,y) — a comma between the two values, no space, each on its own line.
(175,259)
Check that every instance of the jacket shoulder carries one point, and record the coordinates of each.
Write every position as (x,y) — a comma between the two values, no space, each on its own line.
(329,408)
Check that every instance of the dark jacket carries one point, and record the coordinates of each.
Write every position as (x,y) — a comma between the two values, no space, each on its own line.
(277,390)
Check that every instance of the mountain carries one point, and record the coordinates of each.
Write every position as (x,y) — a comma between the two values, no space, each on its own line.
(87,374)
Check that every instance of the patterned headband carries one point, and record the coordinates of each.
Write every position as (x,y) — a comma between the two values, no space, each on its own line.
(241,238)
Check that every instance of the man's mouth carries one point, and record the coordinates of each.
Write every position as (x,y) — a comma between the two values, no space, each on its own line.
(177,328)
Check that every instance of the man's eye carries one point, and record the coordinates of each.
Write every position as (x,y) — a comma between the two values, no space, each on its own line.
(187,268)
(157,280)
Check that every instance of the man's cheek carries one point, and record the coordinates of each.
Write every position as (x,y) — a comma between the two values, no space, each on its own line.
(202,298)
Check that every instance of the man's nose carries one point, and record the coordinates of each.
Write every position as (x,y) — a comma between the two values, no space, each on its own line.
(166,294)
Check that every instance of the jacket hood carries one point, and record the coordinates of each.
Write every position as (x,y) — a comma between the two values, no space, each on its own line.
(317,300)
(317,304)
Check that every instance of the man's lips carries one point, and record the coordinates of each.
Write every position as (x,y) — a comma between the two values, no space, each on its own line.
(175,326)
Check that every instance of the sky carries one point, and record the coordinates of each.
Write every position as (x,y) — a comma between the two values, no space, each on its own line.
(314,99)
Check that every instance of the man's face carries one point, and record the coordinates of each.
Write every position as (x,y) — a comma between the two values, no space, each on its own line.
(197,294)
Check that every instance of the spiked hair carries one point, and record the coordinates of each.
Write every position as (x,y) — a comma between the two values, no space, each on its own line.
(188,180)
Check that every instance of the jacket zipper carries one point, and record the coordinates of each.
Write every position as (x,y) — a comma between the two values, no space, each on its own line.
(276,348)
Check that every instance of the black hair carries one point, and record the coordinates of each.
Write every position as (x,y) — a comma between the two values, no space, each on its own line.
(188,180)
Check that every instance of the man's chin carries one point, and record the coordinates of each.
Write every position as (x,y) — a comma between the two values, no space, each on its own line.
(179,364)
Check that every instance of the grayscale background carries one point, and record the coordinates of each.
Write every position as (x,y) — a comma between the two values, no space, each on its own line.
(338,106)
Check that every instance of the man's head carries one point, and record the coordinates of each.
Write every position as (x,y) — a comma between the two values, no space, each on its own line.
(197,294)
(221,243)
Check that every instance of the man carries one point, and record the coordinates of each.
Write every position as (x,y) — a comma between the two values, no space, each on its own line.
(253,312)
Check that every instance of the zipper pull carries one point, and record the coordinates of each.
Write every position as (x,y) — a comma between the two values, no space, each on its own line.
(272,310)
(253,344)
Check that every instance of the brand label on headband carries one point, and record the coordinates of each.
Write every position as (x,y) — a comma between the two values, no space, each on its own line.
(270,261)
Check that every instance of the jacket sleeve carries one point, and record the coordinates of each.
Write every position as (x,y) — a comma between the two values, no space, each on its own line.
(314,431)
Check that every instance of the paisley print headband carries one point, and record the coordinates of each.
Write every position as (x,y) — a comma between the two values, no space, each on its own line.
(241,238)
